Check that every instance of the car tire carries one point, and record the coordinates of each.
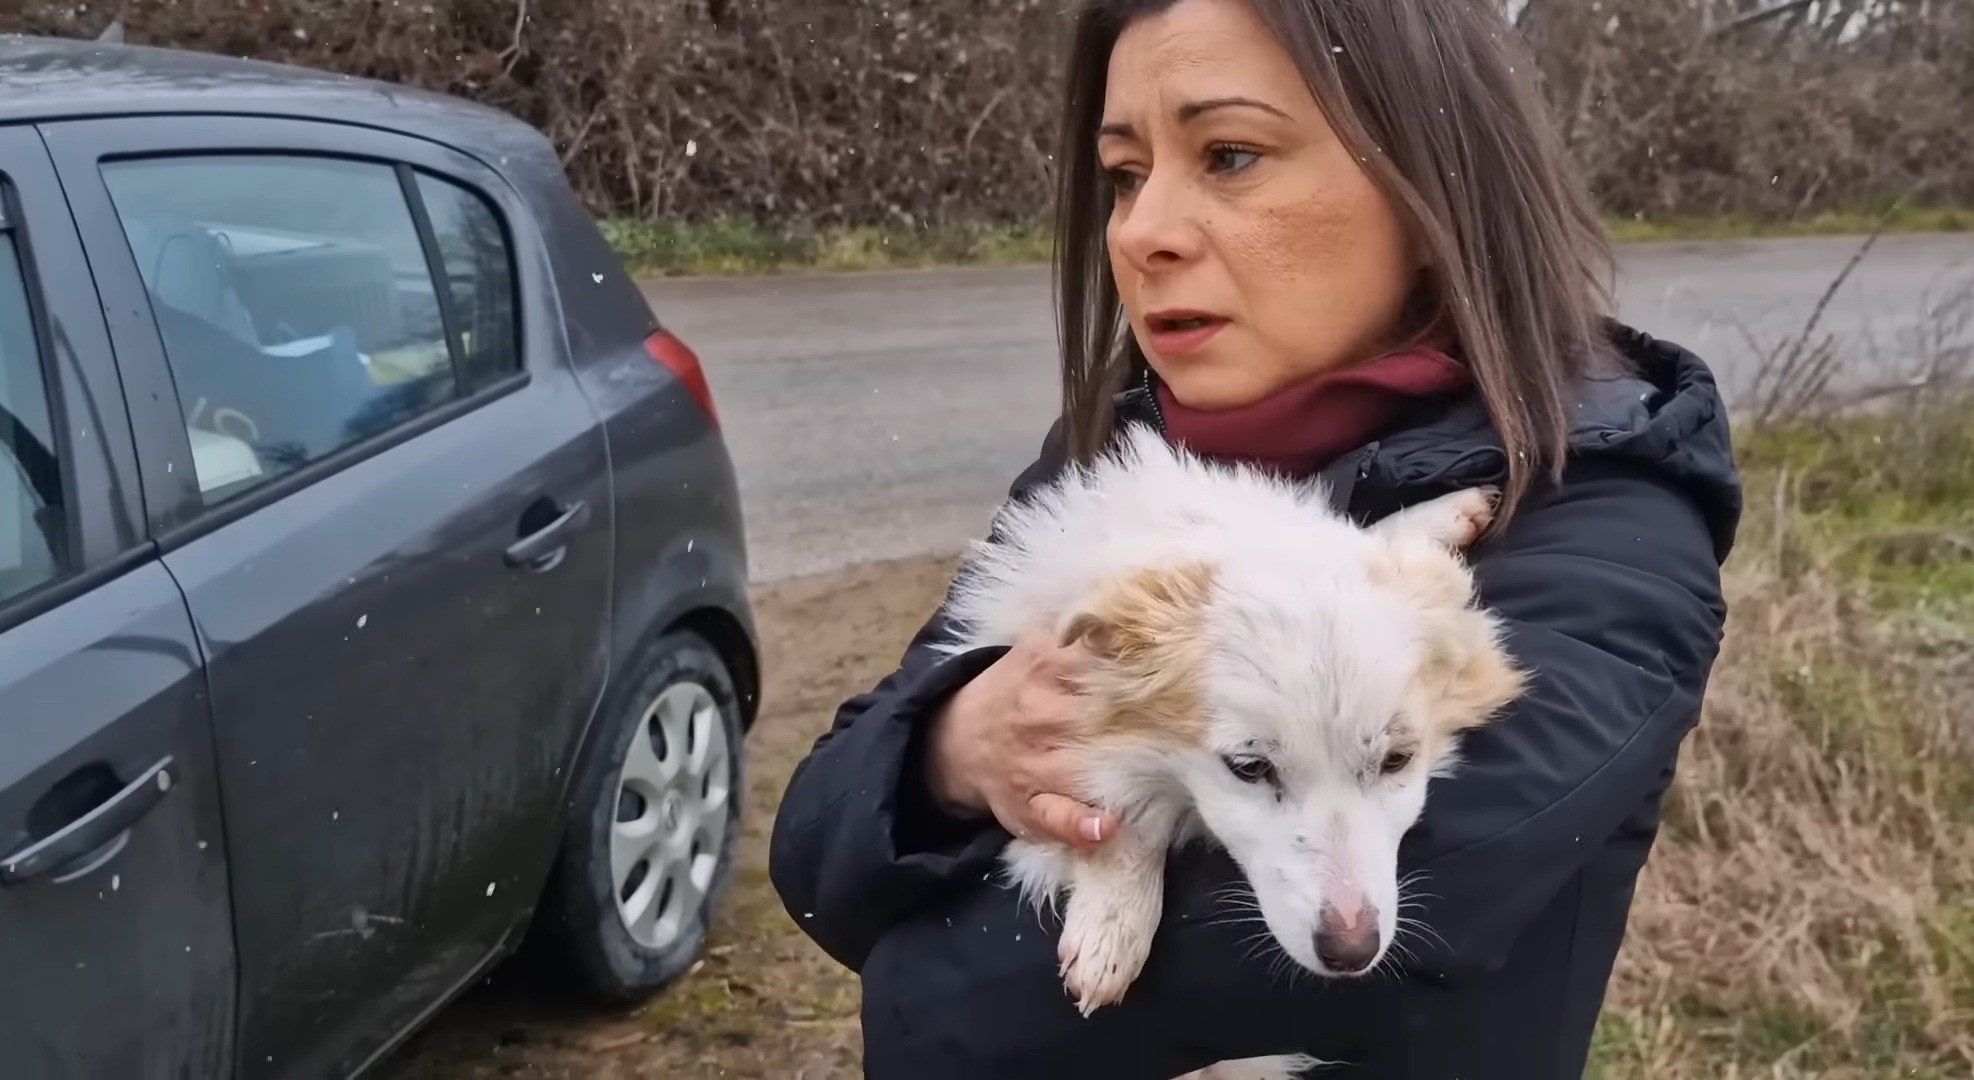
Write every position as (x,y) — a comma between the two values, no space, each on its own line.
(650,841)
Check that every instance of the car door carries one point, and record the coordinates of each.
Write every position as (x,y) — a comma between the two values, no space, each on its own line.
(386,500)
(116,942)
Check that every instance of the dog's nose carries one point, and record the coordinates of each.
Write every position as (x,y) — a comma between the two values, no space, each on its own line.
(1347,945)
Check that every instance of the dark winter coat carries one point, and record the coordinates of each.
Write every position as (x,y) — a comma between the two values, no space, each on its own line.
(1610,586)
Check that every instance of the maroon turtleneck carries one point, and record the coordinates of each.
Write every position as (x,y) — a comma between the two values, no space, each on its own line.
(1302,428)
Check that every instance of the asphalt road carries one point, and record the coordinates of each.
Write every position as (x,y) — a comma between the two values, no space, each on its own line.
(878,416)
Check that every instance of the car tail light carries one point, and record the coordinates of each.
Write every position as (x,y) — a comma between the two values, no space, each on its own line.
(679,359)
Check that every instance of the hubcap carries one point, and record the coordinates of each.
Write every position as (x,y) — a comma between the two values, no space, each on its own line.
(671,814)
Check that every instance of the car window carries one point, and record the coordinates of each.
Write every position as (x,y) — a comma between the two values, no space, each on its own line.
(475,256)
(32,512)
(298,310)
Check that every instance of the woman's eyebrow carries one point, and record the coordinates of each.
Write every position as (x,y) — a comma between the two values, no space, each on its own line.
(1190,111)
(1193,110)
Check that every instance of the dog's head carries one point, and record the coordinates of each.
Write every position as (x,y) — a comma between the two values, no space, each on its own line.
(1302,712)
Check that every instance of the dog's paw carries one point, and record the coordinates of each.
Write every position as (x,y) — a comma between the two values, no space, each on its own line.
(1469,512)
(1453,521)
(1103,948)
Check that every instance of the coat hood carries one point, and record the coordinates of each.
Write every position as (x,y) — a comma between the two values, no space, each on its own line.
(1666,414)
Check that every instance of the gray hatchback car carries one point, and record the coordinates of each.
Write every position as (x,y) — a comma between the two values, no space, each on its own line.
(372,578)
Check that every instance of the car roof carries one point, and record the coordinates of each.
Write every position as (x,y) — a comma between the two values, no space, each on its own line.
(46,79)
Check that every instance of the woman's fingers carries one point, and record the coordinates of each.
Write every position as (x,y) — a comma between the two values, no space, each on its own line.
(1070,822)
(1031,761)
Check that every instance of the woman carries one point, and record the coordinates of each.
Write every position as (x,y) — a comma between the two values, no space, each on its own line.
(1344,241)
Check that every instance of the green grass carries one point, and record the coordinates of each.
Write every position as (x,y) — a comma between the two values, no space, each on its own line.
(1779,1041)
(1886,499)
(738,247)
(734,247)
(1735,227)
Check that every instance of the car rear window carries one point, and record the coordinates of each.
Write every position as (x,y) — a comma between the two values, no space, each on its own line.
(299,309)
(479,270)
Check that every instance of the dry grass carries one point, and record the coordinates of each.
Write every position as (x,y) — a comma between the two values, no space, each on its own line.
(1809,911)
(1806,912)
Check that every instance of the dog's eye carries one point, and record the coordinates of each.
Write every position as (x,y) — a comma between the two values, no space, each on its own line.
(1254,770)
(1395,761)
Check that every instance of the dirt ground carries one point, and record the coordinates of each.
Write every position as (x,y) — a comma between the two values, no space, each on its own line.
(764,1002)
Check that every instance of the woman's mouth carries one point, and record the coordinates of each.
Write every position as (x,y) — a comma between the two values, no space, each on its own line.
(1176,333)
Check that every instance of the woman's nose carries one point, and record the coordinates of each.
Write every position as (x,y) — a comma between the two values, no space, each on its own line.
(1157,226)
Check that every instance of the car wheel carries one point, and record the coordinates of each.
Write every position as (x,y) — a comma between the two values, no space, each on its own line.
(653,824)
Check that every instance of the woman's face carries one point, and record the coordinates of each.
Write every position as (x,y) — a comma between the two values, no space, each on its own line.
(1251,250)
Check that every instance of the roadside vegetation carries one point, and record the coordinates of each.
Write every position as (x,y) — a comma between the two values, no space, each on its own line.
(874,133)
(1809,909)
(732,247)
(735,247)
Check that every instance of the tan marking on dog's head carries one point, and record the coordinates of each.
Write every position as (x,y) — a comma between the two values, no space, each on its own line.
(1146,633)
(1465,676)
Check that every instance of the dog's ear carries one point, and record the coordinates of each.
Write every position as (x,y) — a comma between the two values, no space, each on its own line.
(1086,628)
(1129,618)
(1468,673)
(1146,631)
(1465,672)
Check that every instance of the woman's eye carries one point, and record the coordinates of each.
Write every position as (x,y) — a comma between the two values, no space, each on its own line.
(1123,181)
(1395,761)
(1230,159)
(1253,770)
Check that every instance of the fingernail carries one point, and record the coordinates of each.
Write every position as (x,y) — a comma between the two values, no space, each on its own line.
(1093,829)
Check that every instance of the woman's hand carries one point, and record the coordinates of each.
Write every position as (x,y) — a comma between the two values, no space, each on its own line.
(997,746)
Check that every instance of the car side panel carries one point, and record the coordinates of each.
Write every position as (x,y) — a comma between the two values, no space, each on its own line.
(126,970)
(396,714)
(397,709)
(681,541)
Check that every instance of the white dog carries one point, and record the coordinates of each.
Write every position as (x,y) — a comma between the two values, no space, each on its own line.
(1264,674)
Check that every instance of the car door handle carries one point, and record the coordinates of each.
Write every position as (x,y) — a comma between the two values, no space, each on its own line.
(92,831)
(542,549)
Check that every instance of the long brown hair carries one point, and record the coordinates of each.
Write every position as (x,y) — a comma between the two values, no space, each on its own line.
(1439,101)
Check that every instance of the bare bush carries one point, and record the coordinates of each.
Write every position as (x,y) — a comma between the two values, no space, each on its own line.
(1697,107)
(912,112)
(897,112)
